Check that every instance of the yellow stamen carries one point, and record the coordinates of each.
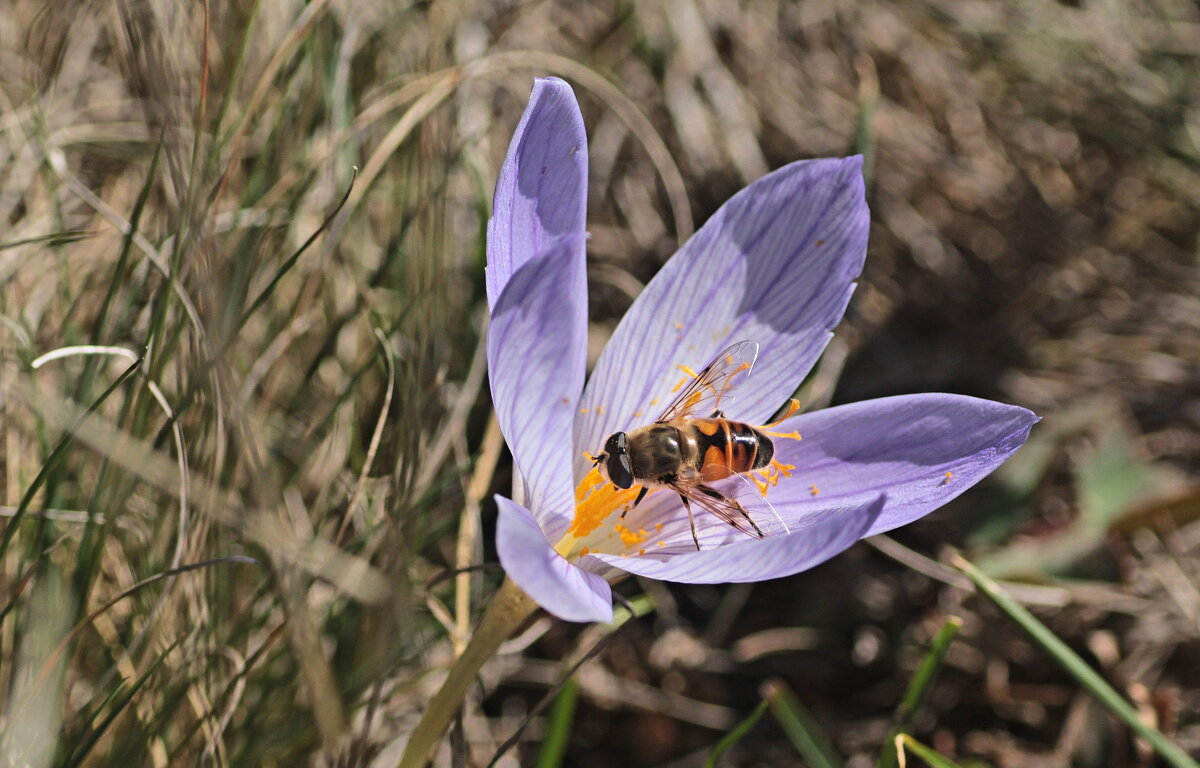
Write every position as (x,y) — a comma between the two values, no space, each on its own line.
(595,500)
(783,435)
(688,375)
(590,481)
(781,469)
(792,408)
(771,474)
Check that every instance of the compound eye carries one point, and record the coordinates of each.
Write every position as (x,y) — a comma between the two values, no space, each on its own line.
(616,443)
(620,469)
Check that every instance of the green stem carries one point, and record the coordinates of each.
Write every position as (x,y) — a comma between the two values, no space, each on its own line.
(917,688)
(1091,680)
(509,608)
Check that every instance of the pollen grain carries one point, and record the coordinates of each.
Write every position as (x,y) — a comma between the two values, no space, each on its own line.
(628,537)
(595,500)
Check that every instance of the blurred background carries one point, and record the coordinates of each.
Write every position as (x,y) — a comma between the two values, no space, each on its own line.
(312,393)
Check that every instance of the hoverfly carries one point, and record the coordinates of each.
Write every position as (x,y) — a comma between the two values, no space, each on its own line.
(692,444)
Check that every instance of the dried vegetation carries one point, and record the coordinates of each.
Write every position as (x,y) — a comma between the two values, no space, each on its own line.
(321,408)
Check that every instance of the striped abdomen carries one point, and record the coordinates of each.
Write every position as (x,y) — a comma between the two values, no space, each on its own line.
(726,447)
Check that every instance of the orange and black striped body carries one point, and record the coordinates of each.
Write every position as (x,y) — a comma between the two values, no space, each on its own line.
(724,447)
(694,450)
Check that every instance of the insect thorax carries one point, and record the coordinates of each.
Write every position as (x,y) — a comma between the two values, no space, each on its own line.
(655,451)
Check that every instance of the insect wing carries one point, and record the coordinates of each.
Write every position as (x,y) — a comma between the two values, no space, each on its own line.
(725,508)
(704,394)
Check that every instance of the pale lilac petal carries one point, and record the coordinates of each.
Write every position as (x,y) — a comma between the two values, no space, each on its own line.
(541,193)
(536,362)
(811,542)
(899,446)
(569,593)
(664,523)
(775,264)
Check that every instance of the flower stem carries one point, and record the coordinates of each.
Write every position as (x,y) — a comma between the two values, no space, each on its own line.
(509,608)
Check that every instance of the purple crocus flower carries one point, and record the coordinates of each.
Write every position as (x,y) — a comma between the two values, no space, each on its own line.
(775,265)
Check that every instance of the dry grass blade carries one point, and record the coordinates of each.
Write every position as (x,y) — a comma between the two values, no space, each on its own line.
(376,436)
(1034,183)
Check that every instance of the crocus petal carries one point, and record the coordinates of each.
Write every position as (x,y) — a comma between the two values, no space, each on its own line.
(811,542)
(660,524)
(568,592)
(536,362)
(775,264)
(542,189)
(920,450)
(901,447)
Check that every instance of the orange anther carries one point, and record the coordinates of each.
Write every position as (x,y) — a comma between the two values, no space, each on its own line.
(792,408)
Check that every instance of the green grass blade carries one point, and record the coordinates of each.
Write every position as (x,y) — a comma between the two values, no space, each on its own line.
(903,741)
(630,609)
(286,267)
(918,687)
(119,276)
(1076,666)
(55,457)
(864,134)
(809,738)
(50,239)
(558,729)
(85,744)
(733,737)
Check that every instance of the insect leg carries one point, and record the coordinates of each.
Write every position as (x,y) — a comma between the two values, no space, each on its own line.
(714,493)
(641,495)
(691,520)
